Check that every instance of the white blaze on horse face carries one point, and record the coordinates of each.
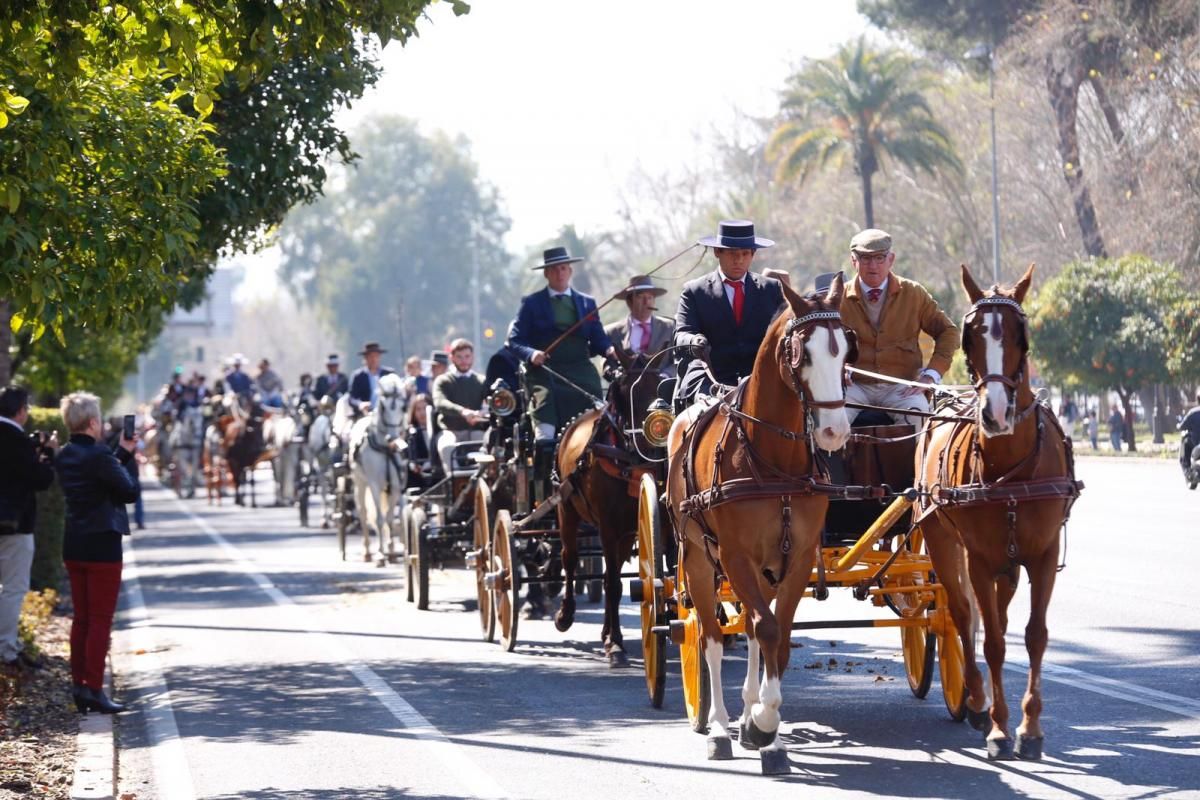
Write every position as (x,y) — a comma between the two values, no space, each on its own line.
(997,397)
(824,379)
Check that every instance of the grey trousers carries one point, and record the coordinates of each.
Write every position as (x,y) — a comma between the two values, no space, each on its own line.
(16,557)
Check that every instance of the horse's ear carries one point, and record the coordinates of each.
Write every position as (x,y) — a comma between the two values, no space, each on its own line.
(972,289)
(837,290)
(798,303)
(623,358)
(1022,286)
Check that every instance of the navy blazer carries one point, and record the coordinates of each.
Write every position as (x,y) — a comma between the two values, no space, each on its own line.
(704,309)
(534,327)
(333,387)
(360,384)
(22,473)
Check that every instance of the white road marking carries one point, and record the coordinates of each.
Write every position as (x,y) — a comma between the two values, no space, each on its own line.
(458,765)
(171,771)
(1110,687)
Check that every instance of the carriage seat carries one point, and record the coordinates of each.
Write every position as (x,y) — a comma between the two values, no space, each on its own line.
(870,418)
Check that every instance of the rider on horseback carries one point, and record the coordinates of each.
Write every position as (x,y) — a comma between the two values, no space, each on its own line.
(875,294)
(364,386)
(723,316)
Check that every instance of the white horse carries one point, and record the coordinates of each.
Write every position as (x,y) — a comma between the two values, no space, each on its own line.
(378,465)
(186,441)
(316,457)
(280,433)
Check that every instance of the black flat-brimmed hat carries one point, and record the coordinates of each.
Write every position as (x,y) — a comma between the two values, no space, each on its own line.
(440,357)
(555,256)
(641,283)
(736,234)
(372,347)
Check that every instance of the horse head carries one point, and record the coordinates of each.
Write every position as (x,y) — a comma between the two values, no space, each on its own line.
(391,405)
(813,353)
(995,341)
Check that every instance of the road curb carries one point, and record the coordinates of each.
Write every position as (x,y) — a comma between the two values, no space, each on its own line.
(95,759)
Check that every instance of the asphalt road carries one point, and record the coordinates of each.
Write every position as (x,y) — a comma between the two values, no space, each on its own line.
(261,666)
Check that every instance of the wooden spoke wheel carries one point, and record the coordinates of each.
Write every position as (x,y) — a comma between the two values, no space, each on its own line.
(506,590)
(418,557)
(918,642)
(483,547)
(952,665)
(693,669)
(653,606)
(406,526)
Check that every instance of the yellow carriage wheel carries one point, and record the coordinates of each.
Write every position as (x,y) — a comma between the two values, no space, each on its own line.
(506,591)
(653,607)
(482,544)
(693,669)
(951,665)
(918,642)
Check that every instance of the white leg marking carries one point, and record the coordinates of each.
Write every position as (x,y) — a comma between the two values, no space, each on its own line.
(750,688)
(765,712)
(718,717)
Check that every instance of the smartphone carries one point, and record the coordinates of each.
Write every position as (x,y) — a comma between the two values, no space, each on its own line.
(127,429)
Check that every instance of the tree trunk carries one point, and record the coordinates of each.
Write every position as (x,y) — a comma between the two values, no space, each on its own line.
(1130,176)
(1126,396)
(5,345)
(1063,83)
(868,200)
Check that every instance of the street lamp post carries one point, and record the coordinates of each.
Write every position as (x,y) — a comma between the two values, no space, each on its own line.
(983,52)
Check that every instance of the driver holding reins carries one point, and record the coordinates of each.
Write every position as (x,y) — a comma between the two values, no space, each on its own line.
(888,313)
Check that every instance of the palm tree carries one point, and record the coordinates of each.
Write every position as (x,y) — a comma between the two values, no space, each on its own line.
(863,104)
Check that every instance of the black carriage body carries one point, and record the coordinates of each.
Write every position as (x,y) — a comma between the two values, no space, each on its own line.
(870,463)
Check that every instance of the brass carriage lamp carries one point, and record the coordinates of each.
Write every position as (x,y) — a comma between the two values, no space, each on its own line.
(657,425)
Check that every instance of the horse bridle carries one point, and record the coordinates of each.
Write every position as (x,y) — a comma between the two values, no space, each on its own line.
(795,353)
(1010,383)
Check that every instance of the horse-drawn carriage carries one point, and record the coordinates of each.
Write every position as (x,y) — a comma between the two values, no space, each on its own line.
(528,529)
(763,520)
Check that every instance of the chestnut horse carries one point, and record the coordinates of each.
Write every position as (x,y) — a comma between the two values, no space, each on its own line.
(602,463)
(1000,488)
(746,496)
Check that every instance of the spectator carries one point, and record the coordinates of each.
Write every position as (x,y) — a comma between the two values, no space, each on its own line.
(25,468)
(1067,414)
(1093,428)
(1116,426)
(96,487)
(417,383)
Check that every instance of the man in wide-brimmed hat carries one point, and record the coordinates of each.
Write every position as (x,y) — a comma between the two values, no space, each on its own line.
(724,315)
(543,318)
(334,383)
(643,332)
(877,295)
(237,381)
(364,385)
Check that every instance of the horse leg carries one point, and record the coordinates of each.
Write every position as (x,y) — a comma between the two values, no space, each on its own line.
(751,688)
(1042,573)
(361,494)
(999,745)
(948,557)
(617,550)
(568,533)
(701,586)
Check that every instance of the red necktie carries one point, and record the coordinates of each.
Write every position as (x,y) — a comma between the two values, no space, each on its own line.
(644,345)
(739,297)
(873,295)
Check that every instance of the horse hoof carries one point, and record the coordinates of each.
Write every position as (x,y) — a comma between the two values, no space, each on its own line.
(1029,748)
(775,762)
(744,738)
(1000,749)
(563,622)
(720,748)
(979,720)
(617,659)
(752,738)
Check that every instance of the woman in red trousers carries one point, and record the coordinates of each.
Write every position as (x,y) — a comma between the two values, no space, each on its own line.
(96,486)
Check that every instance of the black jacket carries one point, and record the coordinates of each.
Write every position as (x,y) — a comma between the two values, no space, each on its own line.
(22,473)
(360,384)
(96,486)
(704,309)
(331,386)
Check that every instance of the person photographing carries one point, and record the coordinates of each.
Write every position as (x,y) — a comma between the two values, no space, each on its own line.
(96,487)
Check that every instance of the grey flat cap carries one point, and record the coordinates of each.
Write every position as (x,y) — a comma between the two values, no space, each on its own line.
(871,240)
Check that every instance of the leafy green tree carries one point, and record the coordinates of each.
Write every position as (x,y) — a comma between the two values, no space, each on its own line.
(117,191)
(388,254)
(861,105)
(1102,323)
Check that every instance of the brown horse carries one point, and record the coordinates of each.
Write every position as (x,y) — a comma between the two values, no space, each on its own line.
(746,496)
(603,465)
(999,488)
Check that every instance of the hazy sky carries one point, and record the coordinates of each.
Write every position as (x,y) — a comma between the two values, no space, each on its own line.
(562,99)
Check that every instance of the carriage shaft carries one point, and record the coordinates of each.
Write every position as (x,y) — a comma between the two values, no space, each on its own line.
(872,535)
